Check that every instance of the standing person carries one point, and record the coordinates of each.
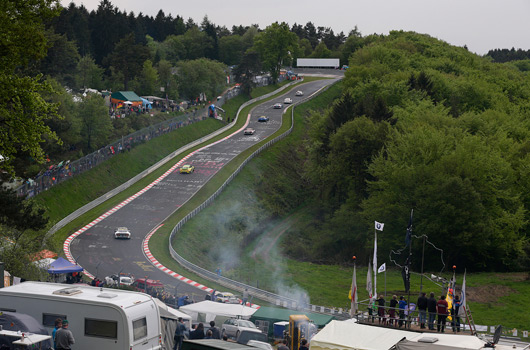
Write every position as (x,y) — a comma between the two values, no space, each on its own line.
(283,345)
(402,305)
(216,333)
(245,296)
(303,345)
(442,309)
(422,307)
(198,333)
(64,337)
(381,309)
(58,325)
(392,310)
(431,307)
(454,312)
(179,334)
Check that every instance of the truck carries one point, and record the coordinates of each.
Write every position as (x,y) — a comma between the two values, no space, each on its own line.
(99,318)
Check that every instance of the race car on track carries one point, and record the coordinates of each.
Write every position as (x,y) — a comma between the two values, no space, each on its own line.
(299,93)
(122,232)
(249,131)
(263,119)
(277,106)
(288,100)
(187,169)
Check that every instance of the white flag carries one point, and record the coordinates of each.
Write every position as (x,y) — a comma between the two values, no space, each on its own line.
(353,293)
(462,309)
(379,226)
(382,268)
(369,282)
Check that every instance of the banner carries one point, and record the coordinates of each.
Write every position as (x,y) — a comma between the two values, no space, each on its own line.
(461,310)
(379,226)
(353,293)
(405,273)
(369,282)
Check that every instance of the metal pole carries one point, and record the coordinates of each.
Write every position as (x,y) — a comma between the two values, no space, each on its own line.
(422,260)
(385,282)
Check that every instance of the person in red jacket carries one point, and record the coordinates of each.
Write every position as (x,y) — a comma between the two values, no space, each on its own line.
(442,309)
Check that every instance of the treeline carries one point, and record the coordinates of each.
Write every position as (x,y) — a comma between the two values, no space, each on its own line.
(505,55)
(420,125)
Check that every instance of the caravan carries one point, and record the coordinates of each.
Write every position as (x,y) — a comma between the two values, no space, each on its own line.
(99,318)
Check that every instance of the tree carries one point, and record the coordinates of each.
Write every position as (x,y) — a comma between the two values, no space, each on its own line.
(230,49)
(89,74)
(201,76)
(148,79)
(95,122)
(61,59)
(275,45)
(23,111)
(245,72)
(128,58)
(167,79)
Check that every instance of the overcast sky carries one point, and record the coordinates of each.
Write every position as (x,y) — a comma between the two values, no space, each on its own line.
(480,24)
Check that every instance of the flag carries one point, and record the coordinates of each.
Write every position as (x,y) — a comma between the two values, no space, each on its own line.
(375,264)
(462,311)
(405,273)
(369,282)
(382,268)
(353,293)
(450,295)
(379,226)
(408,236)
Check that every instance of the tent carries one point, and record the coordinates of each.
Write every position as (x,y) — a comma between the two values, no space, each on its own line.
(168,321)
(146,103)
(267,316)
(121,97)
(63,266)
(15,321)
(348,335)
(206,311)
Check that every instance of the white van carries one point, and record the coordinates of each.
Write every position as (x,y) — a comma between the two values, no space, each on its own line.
(99,318)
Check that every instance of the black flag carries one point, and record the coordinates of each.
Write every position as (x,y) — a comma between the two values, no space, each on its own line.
(408,236)
(405,273)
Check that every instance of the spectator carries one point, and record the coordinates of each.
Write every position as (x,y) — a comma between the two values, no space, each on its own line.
(431,307)
(208,334)
(283,345)
(198,333)
(303,345)
(422,307)
(392,311)
(454,312)
(402,305)
(64,337)
(216,333)
(179,334)
(245,296)
(58,325)
(381,309)
(442,310)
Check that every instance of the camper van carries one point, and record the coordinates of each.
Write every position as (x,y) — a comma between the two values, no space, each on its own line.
(99,318)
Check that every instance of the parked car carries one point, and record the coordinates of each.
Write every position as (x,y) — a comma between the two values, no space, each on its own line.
(288,100)
(263,119)
(247,335)
(299,93)
(278,106)
(260,344)
(249,131)
(122,232)
(226,297)
(187,169)
(233,327)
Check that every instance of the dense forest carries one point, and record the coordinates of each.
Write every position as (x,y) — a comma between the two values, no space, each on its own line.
(420,125)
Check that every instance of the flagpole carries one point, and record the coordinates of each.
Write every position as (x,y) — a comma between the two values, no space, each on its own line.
(375,264)
(422,260)
(385,283)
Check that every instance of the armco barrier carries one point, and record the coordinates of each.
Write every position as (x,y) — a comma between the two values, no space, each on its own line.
(229,283)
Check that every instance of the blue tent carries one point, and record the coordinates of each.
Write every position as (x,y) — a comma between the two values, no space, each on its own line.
(63,266)
(146,103)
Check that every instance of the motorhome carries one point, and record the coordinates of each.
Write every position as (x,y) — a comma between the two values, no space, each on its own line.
(99,318)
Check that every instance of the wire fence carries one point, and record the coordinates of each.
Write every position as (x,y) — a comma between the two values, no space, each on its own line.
(65,170)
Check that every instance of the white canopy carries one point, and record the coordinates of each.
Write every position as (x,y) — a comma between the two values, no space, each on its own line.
(206,311)
(347,335)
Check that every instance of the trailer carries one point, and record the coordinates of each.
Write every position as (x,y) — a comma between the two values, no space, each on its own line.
(318,63)
(99,318)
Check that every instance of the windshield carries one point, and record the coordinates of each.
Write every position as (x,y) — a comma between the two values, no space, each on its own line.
(247,324)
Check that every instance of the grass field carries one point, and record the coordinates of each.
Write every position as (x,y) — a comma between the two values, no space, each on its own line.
(494,298)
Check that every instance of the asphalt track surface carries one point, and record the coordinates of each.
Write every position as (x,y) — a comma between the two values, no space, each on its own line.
(100,254)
